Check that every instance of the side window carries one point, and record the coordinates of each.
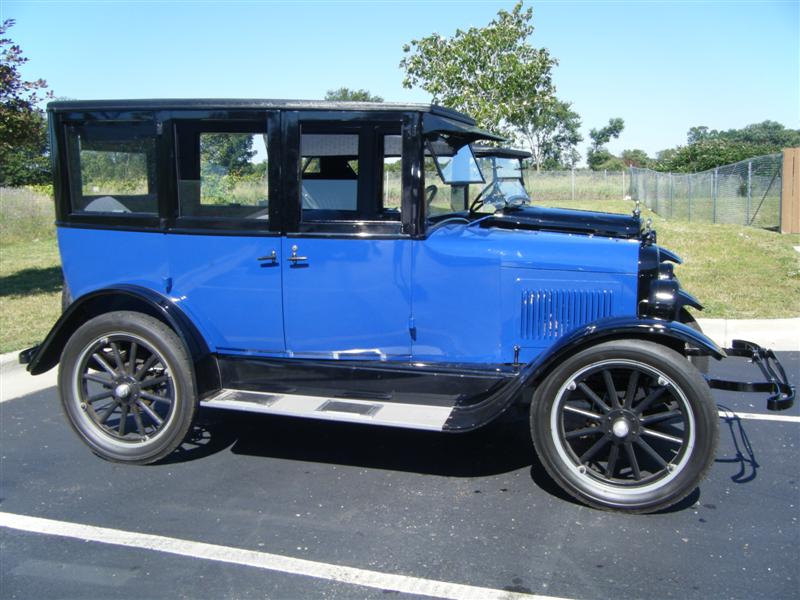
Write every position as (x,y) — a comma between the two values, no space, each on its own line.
(113,168)
(222,171)
(351,176)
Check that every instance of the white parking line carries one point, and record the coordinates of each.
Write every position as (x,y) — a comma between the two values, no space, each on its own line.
(261,560)
(727,414)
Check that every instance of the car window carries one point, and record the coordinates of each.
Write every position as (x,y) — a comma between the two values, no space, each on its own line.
(330,172)
(223,174)
(114,168)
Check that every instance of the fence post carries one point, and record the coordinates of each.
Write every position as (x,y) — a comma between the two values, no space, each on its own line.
(689,179)
(749,191)
(671,197)
(790,192)
(714,184)
(573,184)
(623,184)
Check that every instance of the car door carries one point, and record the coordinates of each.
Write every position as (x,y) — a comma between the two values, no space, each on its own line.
(225,248)
(347,264)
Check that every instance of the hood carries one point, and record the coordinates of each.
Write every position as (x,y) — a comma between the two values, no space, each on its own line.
(566,221)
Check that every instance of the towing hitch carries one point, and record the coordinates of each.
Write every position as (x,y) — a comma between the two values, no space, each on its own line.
(777,383)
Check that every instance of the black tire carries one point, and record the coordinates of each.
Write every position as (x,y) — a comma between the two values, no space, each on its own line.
(701,363)
(127,387)
(670,412)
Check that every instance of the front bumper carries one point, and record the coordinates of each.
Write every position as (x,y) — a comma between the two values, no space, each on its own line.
(777,384)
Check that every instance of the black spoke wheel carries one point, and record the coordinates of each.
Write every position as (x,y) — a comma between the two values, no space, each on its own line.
(625,425)
(126,385)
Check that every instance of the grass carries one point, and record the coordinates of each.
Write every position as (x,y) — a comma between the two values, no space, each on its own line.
(735,271)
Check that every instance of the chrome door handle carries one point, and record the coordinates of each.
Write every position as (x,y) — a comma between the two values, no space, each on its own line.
(294,258)
(273,256)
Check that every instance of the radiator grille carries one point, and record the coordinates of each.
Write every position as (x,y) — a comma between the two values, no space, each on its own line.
(548,314)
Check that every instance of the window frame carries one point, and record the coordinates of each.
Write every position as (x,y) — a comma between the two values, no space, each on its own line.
(371,128)
(261,122)
(68,180)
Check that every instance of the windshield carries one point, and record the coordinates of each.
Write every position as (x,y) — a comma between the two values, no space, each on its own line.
(503,187)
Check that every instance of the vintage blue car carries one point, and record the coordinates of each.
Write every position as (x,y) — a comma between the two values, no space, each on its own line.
(353,262)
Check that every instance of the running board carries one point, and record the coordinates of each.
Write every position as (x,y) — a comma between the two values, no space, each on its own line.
(350,410)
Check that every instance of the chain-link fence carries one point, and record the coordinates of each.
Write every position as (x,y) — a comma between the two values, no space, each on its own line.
(744,193)
(578,184)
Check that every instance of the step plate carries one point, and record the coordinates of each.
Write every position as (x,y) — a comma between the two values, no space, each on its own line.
(350,410)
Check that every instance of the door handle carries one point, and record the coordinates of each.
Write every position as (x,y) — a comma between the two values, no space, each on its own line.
(272,256)
(294,258)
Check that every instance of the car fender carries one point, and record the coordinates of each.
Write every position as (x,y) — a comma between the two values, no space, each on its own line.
(133,298)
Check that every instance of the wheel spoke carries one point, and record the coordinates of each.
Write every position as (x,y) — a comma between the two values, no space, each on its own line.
(132,358)
(633,385)
(150,413)
(137,416)
(576,433)
(100,396)
(650,452)
(585,413)
(596,447)
(612,460)
(637,474)
(123,419)
(610,389)
(107,413)
(661,417)
(97,379)
(148,383)
(648,401)
(145,366)
(594,397)
(155,398)
(102,362)
(117,357)
(662,436)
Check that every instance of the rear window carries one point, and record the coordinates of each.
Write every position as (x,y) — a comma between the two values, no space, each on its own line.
(113,168)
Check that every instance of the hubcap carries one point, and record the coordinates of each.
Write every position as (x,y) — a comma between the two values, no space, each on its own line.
(122,391)
(621,428)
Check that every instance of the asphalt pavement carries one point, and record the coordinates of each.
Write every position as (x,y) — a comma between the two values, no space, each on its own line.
(472,510)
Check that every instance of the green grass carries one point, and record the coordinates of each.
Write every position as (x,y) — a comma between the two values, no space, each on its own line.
(737,272)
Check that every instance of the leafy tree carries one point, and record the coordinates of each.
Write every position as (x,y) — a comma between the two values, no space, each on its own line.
(230,151)
(491,73)
(23,129)
(551,131)
(346,94)
(636,158)
(598,157)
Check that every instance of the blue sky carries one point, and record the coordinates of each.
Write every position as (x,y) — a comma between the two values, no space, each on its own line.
(661,66)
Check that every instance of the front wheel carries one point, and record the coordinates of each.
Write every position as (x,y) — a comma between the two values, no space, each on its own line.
(126,386)
(626,425)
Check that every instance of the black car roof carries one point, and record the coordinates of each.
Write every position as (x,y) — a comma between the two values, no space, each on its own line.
(223,103)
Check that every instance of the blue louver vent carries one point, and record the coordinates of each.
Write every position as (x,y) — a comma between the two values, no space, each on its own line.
(548,314)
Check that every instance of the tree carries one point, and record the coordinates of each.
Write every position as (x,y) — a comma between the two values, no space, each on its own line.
(598,157)
(635,158)
(346,94)
(229,150)
(491,73)
(551,131)
(23,128)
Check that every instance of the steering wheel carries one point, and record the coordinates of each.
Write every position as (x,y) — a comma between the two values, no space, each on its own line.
(478,202)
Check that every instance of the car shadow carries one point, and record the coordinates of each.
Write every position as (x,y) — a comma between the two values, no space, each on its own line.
(743,453)
(493,450)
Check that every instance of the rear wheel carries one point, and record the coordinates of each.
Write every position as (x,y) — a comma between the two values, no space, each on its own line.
(126,386)
(626,425)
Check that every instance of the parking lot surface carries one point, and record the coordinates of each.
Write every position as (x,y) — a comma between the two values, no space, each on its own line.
(469,510)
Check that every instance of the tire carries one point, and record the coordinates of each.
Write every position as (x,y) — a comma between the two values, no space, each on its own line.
(585,438)
(127,387)
(700,362)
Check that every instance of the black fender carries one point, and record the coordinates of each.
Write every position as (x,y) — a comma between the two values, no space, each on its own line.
(672,334)
(133,298)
